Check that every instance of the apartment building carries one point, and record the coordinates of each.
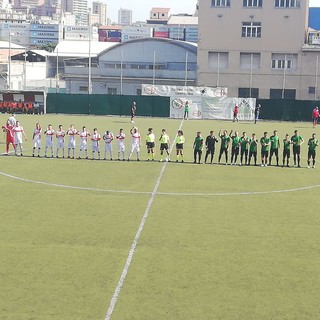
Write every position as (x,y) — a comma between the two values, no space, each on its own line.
(124,17)
(101,10)
(257,48)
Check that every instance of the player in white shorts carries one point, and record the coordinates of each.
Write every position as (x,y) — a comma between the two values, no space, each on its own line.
(72,132)
(84,134)
(49,140)
(135,142)
(95,138)
(121,147)
(18,132)
(36,137)
(60,134)
(108,138)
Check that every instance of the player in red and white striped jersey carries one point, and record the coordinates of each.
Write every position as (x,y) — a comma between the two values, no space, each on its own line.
(108,138)
(135,143)
(18,133)
(84,134)
(72,132)
(36,137)
(121,147)
(49,140)
(60,134)
(95,138)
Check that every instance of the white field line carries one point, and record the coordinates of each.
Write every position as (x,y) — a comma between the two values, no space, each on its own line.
(125,270)
(183,194)
(72,187)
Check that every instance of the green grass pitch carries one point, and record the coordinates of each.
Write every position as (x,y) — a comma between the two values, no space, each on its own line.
(219,242)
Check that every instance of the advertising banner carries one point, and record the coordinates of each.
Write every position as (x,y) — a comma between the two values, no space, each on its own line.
(161,90)
(212,108)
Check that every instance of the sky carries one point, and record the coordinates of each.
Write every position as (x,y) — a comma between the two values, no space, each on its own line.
(314,3)
(141,8)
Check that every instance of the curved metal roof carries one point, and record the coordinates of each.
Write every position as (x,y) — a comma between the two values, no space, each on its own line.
(191,47)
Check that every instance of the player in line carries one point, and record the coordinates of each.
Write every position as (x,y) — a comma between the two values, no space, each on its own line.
(197,148)
(210,143)
(150,143)
(72,132)
(235,147)
(84,134)
(121,146)
(244,145)
(296,141)
(253,149)
(265,144)
(18,138)
(164,144)
(108,138)
(49,132)
(36,137)
(312,145)
(95,138)
(225,143)
(60,134)
(274,147)
(286,150)
(180,140)
(135,142)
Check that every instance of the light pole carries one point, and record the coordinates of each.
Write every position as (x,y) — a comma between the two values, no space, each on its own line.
(9,57)
(89,62)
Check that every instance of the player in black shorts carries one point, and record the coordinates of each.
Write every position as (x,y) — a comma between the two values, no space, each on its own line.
(210,146)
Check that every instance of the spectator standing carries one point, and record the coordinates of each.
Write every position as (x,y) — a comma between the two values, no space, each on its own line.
(315,116)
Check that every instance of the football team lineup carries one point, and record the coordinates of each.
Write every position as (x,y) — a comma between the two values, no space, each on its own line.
(243,148)
(151,194)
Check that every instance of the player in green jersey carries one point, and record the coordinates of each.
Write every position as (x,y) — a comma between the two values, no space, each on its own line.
(235,147)
(265,144)
(253,149)
(150,143)
(274,146)
(179,145)
(244,145)
(186,110)
(224,147)
(286,150)
(197,147)
(312,143)
(210,143)
(164,144)
(297,141)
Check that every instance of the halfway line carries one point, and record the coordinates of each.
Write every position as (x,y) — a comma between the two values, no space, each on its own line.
(124,273)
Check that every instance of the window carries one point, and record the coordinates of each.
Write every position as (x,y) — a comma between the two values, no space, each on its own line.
(248,93)
(112,91)
(220,3)
(284,61)
(83,88)
(218,60)
(282,94)
(138,66)
(157,66)
(312,90)
(252,3)
(113,66)
(249,61)
(251,29)
(287,3)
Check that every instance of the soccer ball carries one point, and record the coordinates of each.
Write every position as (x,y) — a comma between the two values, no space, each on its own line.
(166,159)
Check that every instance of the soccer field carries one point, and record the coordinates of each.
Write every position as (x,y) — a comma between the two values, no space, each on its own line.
(82,239)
